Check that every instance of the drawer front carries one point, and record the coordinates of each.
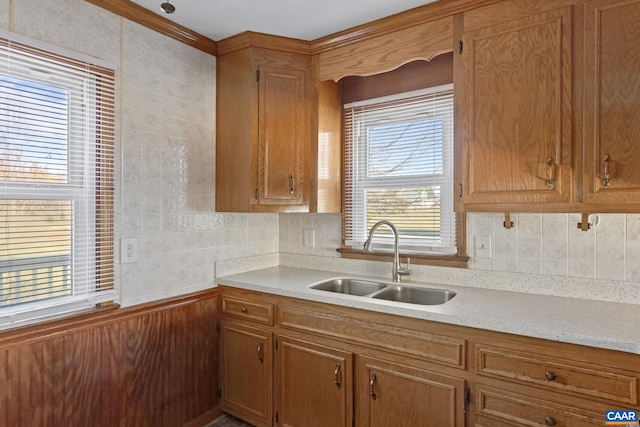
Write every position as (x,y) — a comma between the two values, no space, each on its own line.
(496,407)
(256,311)
(579,378)
(435,348)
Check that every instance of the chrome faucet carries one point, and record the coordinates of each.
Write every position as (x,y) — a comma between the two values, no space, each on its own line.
(397,269)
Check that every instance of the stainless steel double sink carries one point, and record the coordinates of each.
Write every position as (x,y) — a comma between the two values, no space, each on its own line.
(385,291)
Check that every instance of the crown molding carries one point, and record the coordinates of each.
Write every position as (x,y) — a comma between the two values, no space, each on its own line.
(410,18)
(261,40)
(136,13)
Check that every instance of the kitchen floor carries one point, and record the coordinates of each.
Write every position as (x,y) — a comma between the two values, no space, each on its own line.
(226,420)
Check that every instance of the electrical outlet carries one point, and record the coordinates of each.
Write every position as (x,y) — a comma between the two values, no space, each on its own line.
(482,246)
(128,251)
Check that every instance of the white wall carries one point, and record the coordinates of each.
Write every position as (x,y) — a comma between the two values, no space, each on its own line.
(165,143)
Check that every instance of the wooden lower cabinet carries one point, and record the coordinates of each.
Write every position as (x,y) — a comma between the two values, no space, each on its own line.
(291,362)
(246,372)
(313,384)
(392,394)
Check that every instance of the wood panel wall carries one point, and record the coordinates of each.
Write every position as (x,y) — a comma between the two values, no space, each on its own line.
(149,365)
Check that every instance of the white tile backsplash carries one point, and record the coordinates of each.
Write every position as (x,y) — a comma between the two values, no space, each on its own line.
(542,253)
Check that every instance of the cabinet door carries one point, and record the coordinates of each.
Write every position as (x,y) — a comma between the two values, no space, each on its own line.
(313,385)
(514,103)
(396,395)
(612,91)
(246,373)
(281,151)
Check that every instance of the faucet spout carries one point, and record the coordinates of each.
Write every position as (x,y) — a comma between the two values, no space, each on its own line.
(397,271)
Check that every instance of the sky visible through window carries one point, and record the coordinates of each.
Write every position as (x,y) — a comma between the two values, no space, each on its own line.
(407,148)
(34,131)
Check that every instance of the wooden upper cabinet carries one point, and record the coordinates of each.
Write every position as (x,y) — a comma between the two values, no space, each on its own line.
(612,104)
(513,110)
(282,142)
(263,124)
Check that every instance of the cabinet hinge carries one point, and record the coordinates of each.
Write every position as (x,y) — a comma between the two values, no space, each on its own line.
(460,46)
(467,396)
(257,75)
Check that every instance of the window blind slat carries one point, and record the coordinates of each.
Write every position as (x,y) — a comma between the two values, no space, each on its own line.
(56,181)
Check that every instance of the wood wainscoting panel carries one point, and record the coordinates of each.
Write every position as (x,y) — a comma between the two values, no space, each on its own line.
(154,364)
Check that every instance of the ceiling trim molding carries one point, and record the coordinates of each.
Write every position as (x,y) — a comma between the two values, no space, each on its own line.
(136,13)
(410,18)
(265,41)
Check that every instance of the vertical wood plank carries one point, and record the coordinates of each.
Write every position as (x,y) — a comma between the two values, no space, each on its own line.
(31,384)
(53,381)
(155,366)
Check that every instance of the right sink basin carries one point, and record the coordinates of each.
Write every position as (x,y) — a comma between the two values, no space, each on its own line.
(414,295)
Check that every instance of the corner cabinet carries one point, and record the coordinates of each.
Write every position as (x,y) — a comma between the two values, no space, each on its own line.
(263,124)
(612,109)
(513,76)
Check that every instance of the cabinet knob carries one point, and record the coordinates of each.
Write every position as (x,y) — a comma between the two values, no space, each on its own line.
(243,309)
(550,421)
(550,376)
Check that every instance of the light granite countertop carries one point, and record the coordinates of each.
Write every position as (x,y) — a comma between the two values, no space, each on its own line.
(608,325)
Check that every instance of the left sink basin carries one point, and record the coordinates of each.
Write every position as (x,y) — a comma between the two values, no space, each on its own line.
(351,286)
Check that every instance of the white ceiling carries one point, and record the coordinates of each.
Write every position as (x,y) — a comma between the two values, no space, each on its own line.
(301,19)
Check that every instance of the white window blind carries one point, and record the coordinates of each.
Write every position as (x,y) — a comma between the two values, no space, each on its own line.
(56,182)
(399,167)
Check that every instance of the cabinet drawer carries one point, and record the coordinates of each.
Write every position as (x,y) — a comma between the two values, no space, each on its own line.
(497,408)
(580,378)
(250,310)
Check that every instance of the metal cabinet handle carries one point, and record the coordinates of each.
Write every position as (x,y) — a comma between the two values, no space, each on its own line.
(372,392)
(550,174)
(605,175)
(336,376)
(291,184)
(550,421)
(550,376)
(261,352)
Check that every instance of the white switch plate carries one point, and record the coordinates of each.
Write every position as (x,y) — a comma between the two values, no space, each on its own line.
(482,246)
(309,238)
(128,251)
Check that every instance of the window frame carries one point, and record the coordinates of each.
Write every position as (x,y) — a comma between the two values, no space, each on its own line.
(413,76)
(92,174)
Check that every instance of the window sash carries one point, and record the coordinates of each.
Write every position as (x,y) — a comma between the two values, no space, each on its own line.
(430,104)
(83,177)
